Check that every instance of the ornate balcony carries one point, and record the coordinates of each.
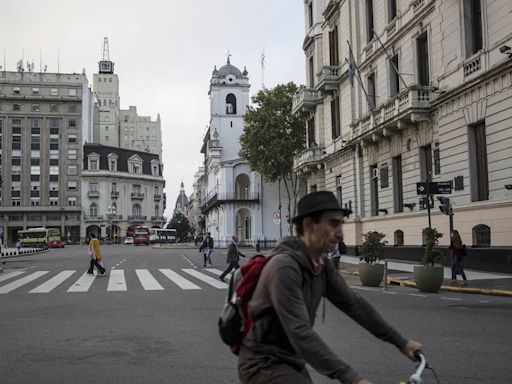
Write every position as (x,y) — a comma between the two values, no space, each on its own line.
(137,196)
(306,100)
(159,218)
(93,193)
(411,105)
(93,217)
(328,78)
(137,218)
(114,194)
(309,159)
(215,199)
(157,197)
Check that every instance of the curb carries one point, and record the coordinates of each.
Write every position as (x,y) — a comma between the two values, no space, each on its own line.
(449,288)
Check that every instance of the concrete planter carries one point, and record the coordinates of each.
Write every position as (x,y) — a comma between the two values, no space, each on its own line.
(371,274)
(428,278)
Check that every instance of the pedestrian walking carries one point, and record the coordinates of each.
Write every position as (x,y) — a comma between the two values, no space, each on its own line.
(207,249)
(95,256)
(258,246)
(18,245)
(458,253)
(288,293)
(233,257)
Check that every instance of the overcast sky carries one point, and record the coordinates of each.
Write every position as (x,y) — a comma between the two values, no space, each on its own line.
(164,53)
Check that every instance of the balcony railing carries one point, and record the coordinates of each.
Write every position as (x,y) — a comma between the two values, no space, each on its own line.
(405,106)
(158,218)
(93,217)
(114,217)
(328,78)
(114,194)
(214,199)
(309,158)
(93,193)
(137,218)
(137,195)
(305,100)
(157,197)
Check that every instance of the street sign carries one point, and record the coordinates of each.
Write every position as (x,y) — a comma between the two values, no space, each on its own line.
(277,217)
(424,201)
(435,188)
(443,187)
(421,188)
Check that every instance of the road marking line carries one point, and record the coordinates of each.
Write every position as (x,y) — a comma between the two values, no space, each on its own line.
(417,295)
(116,281)
(24,280)
(178,280)
(450,298)
(10,274)
(148,281)
(207,279)
(484,301)
(83,283)
(52,283)
(389,293)
(215,271)
(363,288)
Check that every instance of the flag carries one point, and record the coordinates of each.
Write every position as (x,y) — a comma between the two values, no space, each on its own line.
(352,66)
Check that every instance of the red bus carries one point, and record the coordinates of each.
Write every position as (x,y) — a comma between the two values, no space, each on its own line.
(141,235)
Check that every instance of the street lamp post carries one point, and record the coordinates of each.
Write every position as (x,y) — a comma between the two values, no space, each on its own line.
(111,213)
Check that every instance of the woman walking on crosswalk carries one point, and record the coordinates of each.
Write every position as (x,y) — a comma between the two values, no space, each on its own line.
(95,256)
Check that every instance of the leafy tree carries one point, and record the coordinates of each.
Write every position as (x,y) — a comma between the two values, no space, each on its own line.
(180,222)
(272,137)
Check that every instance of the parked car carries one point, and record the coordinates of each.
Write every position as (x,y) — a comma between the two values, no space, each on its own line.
(128,240)
(56,244)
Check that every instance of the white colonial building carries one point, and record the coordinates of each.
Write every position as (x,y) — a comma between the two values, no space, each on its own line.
(431,100)
(120,188)
(234,198)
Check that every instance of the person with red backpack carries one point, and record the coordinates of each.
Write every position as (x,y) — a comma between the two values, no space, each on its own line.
(288,290)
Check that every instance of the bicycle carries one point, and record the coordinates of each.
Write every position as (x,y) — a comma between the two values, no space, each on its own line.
(422,365)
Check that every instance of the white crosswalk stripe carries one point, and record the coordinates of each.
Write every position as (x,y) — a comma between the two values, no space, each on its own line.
(207,279)
(116,281)
(148,281)
(54,282)
(83,283)
(20,282)
(178,280)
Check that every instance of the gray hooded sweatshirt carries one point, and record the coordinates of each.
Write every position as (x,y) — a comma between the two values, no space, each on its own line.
(284,305)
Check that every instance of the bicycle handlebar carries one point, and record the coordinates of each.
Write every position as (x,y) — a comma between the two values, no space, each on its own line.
(416,376)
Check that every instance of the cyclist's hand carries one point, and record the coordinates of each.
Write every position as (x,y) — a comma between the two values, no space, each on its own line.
(364,381)
(411,349)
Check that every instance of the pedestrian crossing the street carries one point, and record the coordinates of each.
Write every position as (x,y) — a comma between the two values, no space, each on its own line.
(118,280)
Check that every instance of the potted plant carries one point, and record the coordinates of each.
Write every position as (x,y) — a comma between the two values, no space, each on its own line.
(371,252)
(429,276)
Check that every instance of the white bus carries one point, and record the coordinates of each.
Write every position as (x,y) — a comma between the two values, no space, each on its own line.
(158,235)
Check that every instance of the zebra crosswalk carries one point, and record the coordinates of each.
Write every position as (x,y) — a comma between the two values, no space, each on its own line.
(119,280)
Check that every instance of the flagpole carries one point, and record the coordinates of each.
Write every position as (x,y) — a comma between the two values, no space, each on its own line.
(391,61)
(357,73)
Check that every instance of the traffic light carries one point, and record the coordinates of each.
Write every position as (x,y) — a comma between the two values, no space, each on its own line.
(445,206)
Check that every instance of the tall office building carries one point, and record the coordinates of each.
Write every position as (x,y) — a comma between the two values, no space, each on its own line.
(42,119)
(140,133)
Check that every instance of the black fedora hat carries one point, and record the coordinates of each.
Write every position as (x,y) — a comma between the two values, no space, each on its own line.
(315,202)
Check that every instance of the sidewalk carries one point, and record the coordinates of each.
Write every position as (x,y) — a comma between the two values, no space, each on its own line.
(401,273)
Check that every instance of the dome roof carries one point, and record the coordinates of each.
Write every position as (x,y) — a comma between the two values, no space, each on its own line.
(182,200)
(229,69)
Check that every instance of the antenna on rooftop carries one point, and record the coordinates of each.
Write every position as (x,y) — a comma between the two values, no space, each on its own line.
(105,50)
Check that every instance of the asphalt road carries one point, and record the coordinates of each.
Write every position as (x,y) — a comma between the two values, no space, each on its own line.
(133,330)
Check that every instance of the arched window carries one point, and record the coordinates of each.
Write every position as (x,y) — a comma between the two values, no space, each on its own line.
(231,104)
(481,236)
(93,210)
(136,210)
(399,238)
(104,103)
(242,187)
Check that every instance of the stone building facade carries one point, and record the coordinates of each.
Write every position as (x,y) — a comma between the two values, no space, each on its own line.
(427,98)
(43,118)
